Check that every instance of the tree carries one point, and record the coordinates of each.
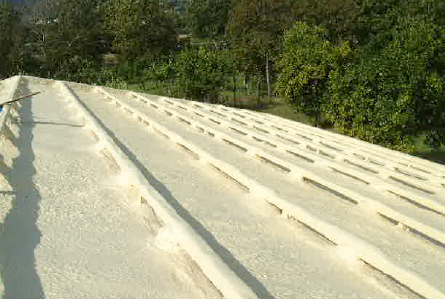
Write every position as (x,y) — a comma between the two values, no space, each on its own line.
(208,18)
(395,94)
(12,34)
(339,17)
(305,65)
(371,26)
(256,28)
(140,27)
(201,72)
(67,37)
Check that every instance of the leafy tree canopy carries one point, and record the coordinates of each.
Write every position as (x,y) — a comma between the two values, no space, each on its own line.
(208,18)
(201,72)
(11,40)
(304,66)
(140,27)
(397,93)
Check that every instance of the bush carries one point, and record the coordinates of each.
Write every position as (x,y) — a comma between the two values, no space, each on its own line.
(200,73)
(304,66)
(395,95)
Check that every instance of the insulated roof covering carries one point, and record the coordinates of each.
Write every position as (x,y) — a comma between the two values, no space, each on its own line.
(223,202)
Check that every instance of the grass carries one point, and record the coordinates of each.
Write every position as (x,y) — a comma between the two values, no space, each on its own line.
(425,152)
(285,111)
(275,106)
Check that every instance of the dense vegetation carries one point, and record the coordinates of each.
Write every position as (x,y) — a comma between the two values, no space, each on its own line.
(372,69)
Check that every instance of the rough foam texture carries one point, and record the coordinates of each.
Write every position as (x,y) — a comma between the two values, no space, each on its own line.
(301,132)
(12,88)
(347,242)
(10,95)
(71,231)
(378,183)
(375,182)
(366,177)
(356,145)
(212,266)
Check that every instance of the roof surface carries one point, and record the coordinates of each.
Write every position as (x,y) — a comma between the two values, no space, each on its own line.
(115,194)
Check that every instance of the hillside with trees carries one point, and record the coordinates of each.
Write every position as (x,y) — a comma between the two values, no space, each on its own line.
(371,69)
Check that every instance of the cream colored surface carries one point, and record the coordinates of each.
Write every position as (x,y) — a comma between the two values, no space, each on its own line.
(116,194)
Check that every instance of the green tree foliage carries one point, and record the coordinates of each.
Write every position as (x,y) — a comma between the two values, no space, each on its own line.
(339,17)
(67,37)
(200,72)
(373,24)
(256,30)
(12,35)
(208,18)
(305,65)
(374,68)
(397,93)
(140,27)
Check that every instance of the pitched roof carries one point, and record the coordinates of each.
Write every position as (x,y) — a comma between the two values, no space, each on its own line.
(148,195)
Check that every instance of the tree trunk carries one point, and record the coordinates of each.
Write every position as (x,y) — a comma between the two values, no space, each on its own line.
(234,91)
(258,91)
(317,115)
(269,92)
(317,118)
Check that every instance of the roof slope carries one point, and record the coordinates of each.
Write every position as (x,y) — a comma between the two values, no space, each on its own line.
(116,194)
